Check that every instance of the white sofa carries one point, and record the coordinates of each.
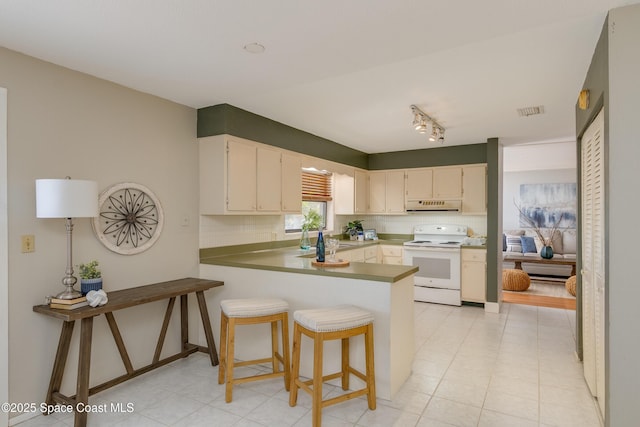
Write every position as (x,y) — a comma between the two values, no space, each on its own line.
(563,244)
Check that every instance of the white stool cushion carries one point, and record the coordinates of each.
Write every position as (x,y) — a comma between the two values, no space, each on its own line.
(331,319)
(253,307)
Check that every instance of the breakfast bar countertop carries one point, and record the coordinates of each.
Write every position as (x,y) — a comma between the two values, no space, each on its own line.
(295,260)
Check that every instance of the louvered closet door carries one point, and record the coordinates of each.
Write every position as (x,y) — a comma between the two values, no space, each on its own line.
(593,298)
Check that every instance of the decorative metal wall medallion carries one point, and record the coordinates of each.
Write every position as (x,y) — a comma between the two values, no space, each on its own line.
(130,220)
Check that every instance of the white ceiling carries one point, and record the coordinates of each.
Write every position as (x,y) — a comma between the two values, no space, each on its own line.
(343,70)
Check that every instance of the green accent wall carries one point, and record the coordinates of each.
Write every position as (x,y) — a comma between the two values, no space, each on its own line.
(494,215)
(597,82)
(430,157)
(227,119)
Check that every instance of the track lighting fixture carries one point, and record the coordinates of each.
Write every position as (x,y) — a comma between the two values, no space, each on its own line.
(421,123)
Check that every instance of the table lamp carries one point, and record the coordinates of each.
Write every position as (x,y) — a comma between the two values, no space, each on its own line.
(67,198)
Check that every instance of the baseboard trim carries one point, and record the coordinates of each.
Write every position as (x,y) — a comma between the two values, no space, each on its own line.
(25,417)
(492,307)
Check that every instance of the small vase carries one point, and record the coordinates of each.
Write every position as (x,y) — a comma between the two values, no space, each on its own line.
(87,285)
(546,252)
(305,243)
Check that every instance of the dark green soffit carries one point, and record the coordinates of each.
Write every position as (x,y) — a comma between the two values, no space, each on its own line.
(441,156)
(227,119)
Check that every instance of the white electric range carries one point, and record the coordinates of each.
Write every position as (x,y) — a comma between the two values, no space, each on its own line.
(435,250)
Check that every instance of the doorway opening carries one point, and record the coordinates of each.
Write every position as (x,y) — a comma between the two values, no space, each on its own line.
(540,182)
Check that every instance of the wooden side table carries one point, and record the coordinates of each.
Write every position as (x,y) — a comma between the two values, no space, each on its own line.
(119,300)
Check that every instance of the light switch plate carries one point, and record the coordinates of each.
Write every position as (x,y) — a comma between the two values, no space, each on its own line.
(28,243)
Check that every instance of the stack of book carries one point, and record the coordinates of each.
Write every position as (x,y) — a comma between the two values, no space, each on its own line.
(68,304)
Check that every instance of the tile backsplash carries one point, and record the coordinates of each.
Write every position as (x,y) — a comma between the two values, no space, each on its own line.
(403,224)
(225,230)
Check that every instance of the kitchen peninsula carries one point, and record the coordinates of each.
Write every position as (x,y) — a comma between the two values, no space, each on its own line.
(385,290)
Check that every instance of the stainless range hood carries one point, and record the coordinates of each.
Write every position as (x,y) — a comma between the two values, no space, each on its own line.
(433,205)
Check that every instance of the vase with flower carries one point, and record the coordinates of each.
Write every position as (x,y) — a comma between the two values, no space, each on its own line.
(312,221)
(545,239)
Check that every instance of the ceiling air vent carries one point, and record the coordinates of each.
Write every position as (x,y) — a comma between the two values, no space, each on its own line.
(530,111)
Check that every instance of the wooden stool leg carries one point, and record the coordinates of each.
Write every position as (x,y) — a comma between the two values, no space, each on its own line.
(316,411)
(295,368)
(228,394)
(285,351)
(275,364)
(345,363)
(370,369)
(224,324)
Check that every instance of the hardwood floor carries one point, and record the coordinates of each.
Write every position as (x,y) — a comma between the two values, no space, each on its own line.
(539,300)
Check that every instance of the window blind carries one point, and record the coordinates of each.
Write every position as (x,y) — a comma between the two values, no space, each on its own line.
(316,187)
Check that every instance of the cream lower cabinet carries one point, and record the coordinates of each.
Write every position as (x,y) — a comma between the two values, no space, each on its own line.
(352,255)
(390,254)
(473,275)
(371,254)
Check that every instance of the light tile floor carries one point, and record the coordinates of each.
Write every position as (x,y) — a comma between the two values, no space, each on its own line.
(471,368)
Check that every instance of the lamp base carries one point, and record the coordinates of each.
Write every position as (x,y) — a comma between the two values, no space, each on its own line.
(69,293)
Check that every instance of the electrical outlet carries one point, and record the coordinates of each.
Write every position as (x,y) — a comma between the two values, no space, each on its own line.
(28,243)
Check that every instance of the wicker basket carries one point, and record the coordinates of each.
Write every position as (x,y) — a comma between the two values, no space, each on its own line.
(570,284)
(515,280)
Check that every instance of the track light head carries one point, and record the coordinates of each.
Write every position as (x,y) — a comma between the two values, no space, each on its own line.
(421,122)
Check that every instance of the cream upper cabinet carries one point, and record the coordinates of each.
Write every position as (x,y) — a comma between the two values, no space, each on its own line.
(395,191)
(419,185)
(473,275)
(241,176)
(386,191)
(238,176)
(377,192)
(291,183)
(269,180)
(447,183)
(474,189)
(343,194)
(361,191)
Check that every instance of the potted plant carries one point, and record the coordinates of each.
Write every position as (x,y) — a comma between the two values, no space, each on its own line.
(312,220)
(352,228)
(90,277)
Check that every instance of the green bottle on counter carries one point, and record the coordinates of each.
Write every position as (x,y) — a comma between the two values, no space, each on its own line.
(320,247)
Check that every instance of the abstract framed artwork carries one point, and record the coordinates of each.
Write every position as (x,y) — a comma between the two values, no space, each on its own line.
(545,203)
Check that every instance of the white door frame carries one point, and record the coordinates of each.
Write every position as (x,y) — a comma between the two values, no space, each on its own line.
(4,261)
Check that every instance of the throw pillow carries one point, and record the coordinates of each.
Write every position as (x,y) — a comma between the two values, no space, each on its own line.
(528,244)
(513,243)
(504,242)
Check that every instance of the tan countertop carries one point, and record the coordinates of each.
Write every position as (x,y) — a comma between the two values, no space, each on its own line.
(292,259)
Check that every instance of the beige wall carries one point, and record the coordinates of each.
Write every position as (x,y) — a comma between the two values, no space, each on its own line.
(61,122)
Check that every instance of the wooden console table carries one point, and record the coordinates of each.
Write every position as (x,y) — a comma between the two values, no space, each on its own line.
(119,300)
(557,261)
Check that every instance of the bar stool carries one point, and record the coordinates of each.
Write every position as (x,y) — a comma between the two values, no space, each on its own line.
(340,322)
(253,311)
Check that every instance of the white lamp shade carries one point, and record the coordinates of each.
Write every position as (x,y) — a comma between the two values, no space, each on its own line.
(66,198)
